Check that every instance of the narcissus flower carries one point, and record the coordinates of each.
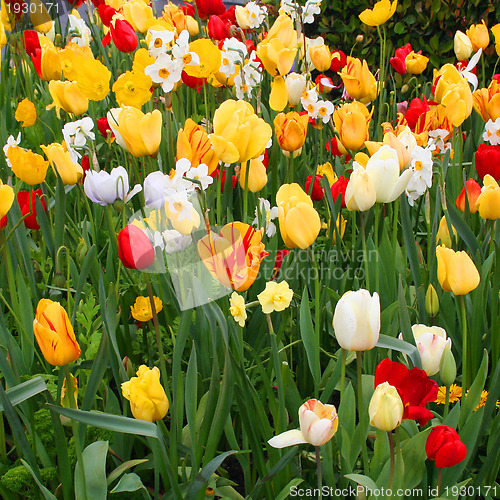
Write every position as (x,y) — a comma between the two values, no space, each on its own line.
(234,255)
(26,113)
(147,397)
(488,202)
(291,131)
(473,192)
(275,297)
(386,408)
(445,446)
(382,11)
(142,311)
(137,132)
(61,162)
(6,198)
(414,387)
(237,308)
(356,321)
(54,333)
(352,121)
(134,248)
(239,134)
(30,167)
(299,221)
(318,424)
(456,271)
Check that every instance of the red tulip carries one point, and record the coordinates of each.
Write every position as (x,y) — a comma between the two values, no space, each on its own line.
(188,9)
(31,42)
(27,202)
(333,146)
(488,161)
(473,192)
(134,248)
(415,388)
(123,35)
(218,29)
(208,8)
(104,128)
(106,13)
(280,256)
(75,3)
(339,60)
(229,15)
(215,175)
(445,447)
(416,108)
(338,189)
(317,191)
(192,82)
(324,83)
(398,62)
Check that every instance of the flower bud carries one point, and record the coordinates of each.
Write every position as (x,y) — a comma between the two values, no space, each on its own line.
(386,408)
(431,301)
(462,46)
(448,367)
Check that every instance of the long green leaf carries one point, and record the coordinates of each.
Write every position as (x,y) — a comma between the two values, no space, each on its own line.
(93,472)
(311,342)
(45,492)
(396,344)
(24,391)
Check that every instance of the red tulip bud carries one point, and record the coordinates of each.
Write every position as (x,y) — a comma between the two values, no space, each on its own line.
(134,248)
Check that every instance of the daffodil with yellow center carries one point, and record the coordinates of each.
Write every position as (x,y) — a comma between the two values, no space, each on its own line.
(275,297)
(237,308)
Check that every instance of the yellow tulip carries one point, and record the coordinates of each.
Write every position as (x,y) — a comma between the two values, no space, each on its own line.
(321,57)
(136,132)
(278,98)
(358,80)
(239,134)
(138,14)
(278,49)
(479,36)
(496,33)
(30,167)
(26,113)
(299,222)
(67,96)
(386,408)
(382,11)
(327,170)
(454,93)
(360,193)
(352,121)
(133,89)
(489,199)
(193,143)
(416,63)
(456,271)
(291,131)
(60,160)
(462,46)
(341,225)
(487,101)
(48,66)
(54,333)
(257,175)
(147,397)
(6,199)
(443,234)
(142,311)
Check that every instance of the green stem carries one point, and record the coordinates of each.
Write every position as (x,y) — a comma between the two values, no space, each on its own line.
(361,410)
(465,344)
(377,269)
(319,472)
(439,479)
(279,380)
(342,374)
(446,402)
(365,252)
(317,310)
(246,167)
(393,459)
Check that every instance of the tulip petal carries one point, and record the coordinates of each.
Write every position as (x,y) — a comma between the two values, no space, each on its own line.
(345,325)
(302,225)
(226,151)
(400,186)
(288,438)
(279,94)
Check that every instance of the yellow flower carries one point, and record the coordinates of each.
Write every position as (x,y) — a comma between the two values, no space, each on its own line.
(275,297)
(237,308)
(479,36)
(239,134)
(341,224)
(133,89)
(327,169)
(142,59)
(456,271)
(72,57)
(358,80)
(93,79)
(482,400)
(60,160)
(299,221)
(321,57)
(386,408)
(6,199)
(67,96)
(455,394)
(443,234)
(147,397)
(50,64)
(257,175)
(488,201)
(496,33)
(141,310)
(291,131)
(30,167)
(382,11)
(352,121)
(138,133)
(139,14)
(416,63)
(487,101)
(210,58)
(26,113)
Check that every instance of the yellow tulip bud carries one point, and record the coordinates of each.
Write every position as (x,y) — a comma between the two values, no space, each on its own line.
(386,408)
(147,397)
(321,57)
(443,234)
(351,122)
(488,201)
(416,63)
(462,46)
(6,199)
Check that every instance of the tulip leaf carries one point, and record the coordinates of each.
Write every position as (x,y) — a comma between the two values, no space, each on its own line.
(471,400)
(24,391)
(45,228)
(205,474)
(311,342)
(130,482)
(90,259)
(463,229)
(93,472)
(402,346)
(285,492)
(45,492)
(363,480)
(123,467)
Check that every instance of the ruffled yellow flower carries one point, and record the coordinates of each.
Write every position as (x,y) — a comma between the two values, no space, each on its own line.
(26,113)
(93,79)
(210,58)
(133,89)
(30,167)
(275,297)
(147,397)
(382,11)
(67,96)
(142,59)
(237,308)
(72,57)
(141,310)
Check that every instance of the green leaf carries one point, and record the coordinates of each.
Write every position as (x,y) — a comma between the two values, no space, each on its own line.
(402,346)
(123,467)
(130,482)
(285,492)
(93,472)
(45,492)
(311,343)
(365,481)
(24,391)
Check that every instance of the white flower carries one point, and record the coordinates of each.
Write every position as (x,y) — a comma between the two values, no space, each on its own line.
(236,50)
(421,168)
(105,188)
(200,173)
(11,142)
(76,133)
(295,85)
(175,241)
(155,186)
(166,71)
(325,110)
(492,132)
(311,8)
(256,14)
(436,140)
(160,42)
(308,99)
(179,205)
(227,66)
(78,31)
(180,50)
(268,214)
(179,182)
(467,72)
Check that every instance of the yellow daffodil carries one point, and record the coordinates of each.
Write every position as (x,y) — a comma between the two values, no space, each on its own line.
(26,113)
(237,308)
(275,297)
(93,79)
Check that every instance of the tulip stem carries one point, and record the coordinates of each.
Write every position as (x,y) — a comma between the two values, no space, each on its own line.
(361,411)
(377,270)
(365,252)
(342,374)
(393,459)
(279,379)
(320,472)
(446,402)
(439,479)
(465,344)
(317,312)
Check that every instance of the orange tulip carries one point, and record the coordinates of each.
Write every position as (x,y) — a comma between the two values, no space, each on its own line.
(291,131)
(487,101)
(351,122)
(358,80)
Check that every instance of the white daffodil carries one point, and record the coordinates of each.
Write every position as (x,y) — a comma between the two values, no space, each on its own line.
(268,214)
(492,132)
(166,71)
(467,72)
(180,50)
(325,110)
(200,173)
(311,8)
(421,168)
(78,31)
(160,42)
(76,133)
